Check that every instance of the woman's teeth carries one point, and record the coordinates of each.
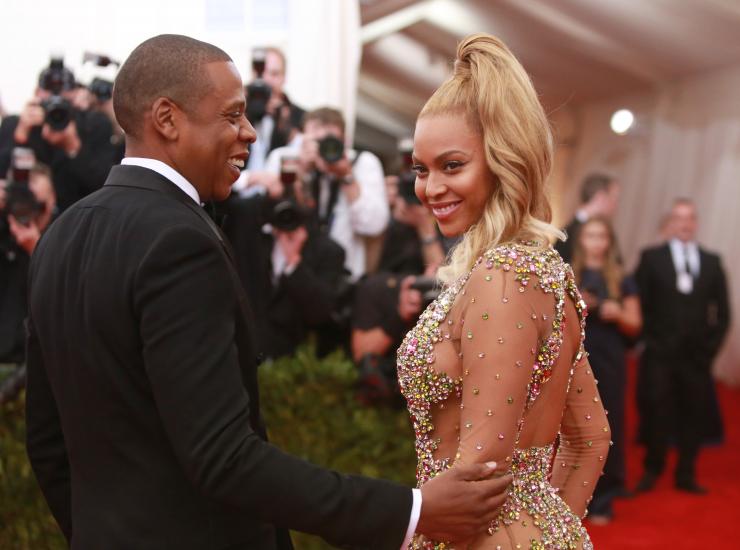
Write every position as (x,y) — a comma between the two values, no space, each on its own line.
(442,210)
(238,163)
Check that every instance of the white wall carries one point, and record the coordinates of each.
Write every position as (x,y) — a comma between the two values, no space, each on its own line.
(320,38)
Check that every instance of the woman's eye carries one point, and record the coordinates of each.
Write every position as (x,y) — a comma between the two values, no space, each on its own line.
(452,164)
(418,168)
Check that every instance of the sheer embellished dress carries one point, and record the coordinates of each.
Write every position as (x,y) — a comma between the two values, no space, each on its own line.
(495,370)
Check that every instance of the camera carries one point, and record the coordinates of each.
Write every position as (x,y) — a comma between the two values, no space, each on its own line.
(407,176)
(258,91)
(331,149)
(286,214)
(429,289)
(58,112)
(56,78)
(20,202)
(101,89)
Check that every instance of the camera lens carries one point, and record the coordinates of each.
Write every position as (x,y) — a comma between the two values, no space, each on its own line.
(58,113)
(331,149)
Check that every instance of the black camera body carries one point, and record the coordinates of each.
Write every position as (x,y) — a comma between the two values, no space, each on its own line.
(101,89)
(406,185)
(286,214)
(58,112)
(56,78)
(429,288)
(331,149)
(258,91)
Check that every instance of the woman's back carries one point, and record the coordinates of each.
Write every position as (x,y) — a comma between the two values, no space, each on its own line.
(495,370)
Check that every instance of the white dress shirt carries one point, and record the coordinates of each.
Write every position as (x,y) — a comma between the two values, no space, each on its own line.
(175,177)
(167,171)
(351,223)
(686,261)
(261,147)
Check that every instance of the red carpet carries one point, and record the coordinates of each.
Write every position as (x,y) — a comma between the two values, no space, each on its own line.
(666,518)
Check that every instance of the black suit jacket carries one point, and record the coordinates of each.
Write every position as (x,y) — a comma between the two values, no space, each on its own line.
(142,407)
(690,326)
(295,303)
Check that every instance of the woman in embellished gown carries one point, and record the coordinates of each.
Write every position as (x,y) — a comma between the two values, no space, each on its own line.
(495,369)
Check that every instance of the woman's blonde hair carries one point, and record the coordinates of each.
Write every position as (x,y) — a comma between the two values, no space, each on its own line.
(491,88)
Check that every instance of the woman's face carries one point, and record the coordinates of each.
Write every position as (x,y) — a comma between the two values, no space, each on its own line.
(452,177)
(594,238)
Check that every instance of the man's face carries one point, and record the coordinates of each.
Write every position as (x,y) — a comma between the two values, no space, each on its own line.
(274,72)
(684,222)
(607,201)
(214,134)
(316,131)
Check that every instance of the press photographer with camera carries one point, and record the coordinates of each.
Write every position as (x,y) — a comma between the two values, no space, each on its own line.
(293,273)
(388,303)
(275,118)
(344,188)
(27,207)
(74,143)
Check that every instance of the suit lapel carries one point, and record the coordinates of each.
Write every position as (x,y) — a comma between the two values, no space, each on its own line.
(144,178)
(668,267)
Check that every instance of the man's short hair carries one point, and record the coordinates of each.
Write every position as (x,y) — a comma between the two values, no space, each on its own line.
(168,65)
(683,201)
(326,116)
(593,184)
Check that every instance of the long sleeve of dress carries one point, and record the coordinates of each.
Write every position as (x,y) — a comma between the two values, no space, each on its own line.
(498,334)
(584,441)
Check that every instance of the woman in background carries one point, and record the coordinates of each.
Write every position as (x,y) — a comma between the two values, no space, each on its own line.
(614,312)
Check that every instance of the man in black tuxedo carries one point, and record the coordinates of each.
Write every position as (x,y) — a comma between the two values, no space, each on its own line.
(686,314)
(143,422)
(599,197)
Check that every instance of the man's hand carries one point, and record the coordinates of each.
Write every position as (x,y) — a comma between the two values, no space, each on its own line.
(268,181)
(68,139)
(291,243)
(409,300)
(461,502)
(32,115)
(27,236)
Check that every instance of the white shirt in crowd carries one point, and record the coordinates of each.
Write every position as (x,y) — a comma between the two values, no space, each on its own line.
(368,216)
(686,261)
(179,180)
(259,150)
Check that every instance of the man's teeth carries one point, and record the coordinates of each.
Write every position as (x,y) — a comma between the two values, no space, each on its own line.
(239,163)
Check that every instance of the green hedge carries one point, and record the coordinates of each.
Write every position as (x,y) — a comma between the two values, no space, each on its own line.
(311,412)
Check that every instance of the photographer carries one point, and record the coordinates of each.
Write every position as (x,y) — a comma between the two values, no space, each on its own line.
(388,303)
(275,118)
(292,273)
(344,187)
(74,143)
(27,207)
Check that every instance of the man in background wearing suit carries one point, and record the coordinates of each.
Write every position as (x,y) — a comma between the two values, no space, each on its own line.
(599,197)
(144,428)
(686,314)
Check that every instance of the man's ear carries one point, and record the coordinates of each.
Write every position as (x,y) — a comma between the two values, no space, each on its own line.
(165,116)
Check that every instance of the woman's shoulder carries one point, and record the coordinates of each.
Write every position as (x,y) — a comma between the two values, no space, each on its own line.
(527,259)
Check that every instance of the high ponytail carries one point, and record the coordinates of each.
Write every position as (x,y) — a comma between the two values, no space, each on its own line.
(495,94)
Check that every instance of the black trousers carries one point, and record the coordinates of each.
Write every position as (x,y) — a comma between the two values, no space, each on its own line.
(675,391)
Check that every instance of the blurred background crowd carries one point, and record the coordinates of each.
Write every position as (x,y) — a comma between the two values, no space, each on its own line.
(333,246)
